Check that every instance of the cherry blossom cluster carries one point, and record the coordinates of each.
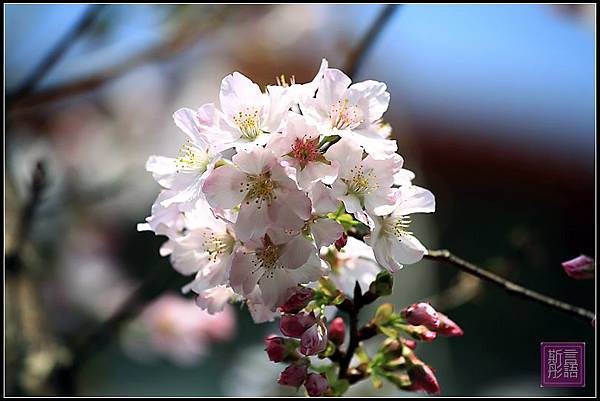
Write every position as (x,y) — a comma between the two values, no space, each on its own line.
(268,185)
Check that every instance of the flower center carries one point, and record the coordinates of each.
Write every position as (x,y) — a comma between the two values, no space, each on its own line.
(344,115)
(191,158)
(397,226)
(260,188)
(305,151)
(362,182)
(216,245)
(266,259)
(248,122)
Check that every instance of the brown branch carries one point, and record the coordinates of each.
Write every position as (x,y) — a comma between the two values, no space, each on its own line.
(509,286)
(55,54)
(184,38)
(358,54)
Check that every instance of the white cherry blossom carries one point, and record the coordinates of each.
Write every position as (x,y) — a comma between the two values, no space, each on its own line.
(392,243)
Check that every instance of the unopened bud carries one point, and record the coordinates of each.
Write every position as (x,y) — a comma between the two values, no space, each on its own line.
(422,314)
(296,325)
(337,331)
(295,374)
(298,300)
(382,285)
(314,340)
(581,268)
(316,384)
(422,378)
(420,333)
(341,242)
(280,349)
(448,327)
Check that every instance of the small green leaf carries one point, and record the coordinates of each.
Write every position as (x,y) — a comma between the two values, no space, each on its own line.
(362,355)
(340,387)
(329,350)
(383,314)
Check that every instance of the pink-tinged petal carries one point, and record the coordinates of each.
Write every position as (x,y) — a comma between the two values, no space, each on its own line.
(333,87)
(260,313)
(326,232)
(414,199)
(384,169)
(312,270)
(373,98)
(222,187)
(187,195)
(212,125)
(290,209)
(353,206)
(244,273)
(580,268)
(407,249)
(254,160)
(295,253)
(347,154)
(372,142)
(252,222)
(280,100)
(239,92)
(275,287)
(317,171)
(215,299)
(308,90)
(325,199)
(185,119)
(381,202)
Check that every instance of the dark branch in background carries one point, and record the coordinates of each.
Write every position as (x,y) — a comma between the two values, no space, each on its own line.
(38,184)
(55,54)
(509,286)
(358,54)
(187,35)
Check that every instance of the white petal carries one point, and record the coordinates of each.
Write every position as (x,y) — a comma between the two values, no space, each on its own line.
(407,249)
(244,274)
(347,153)
(414,199)
(317,171)
(295,253)
(254,160)
(333,86)
(185,119)
(326,232)
(275,287)
(372,97)
(239,92)
(222,187)
(252,222)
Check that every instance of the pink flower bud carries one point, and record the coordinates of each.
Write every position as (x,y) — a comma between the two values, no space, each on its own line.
(298,300)
(337,331)
(422,314)
(580,268)
(409,343)
(341,242)
(296,325)
(316,384)
(422,378)
(295,374)
(448,327)
(314,340)
(279,349)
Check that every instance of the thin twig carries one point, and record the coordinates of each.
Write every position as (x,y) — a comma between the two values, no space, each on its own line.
(353,311)
(358,54)
(509,286)
(55,54)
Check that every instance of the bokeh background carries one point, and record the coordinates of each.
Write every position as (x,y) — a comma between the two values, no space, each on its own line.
(493,106)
